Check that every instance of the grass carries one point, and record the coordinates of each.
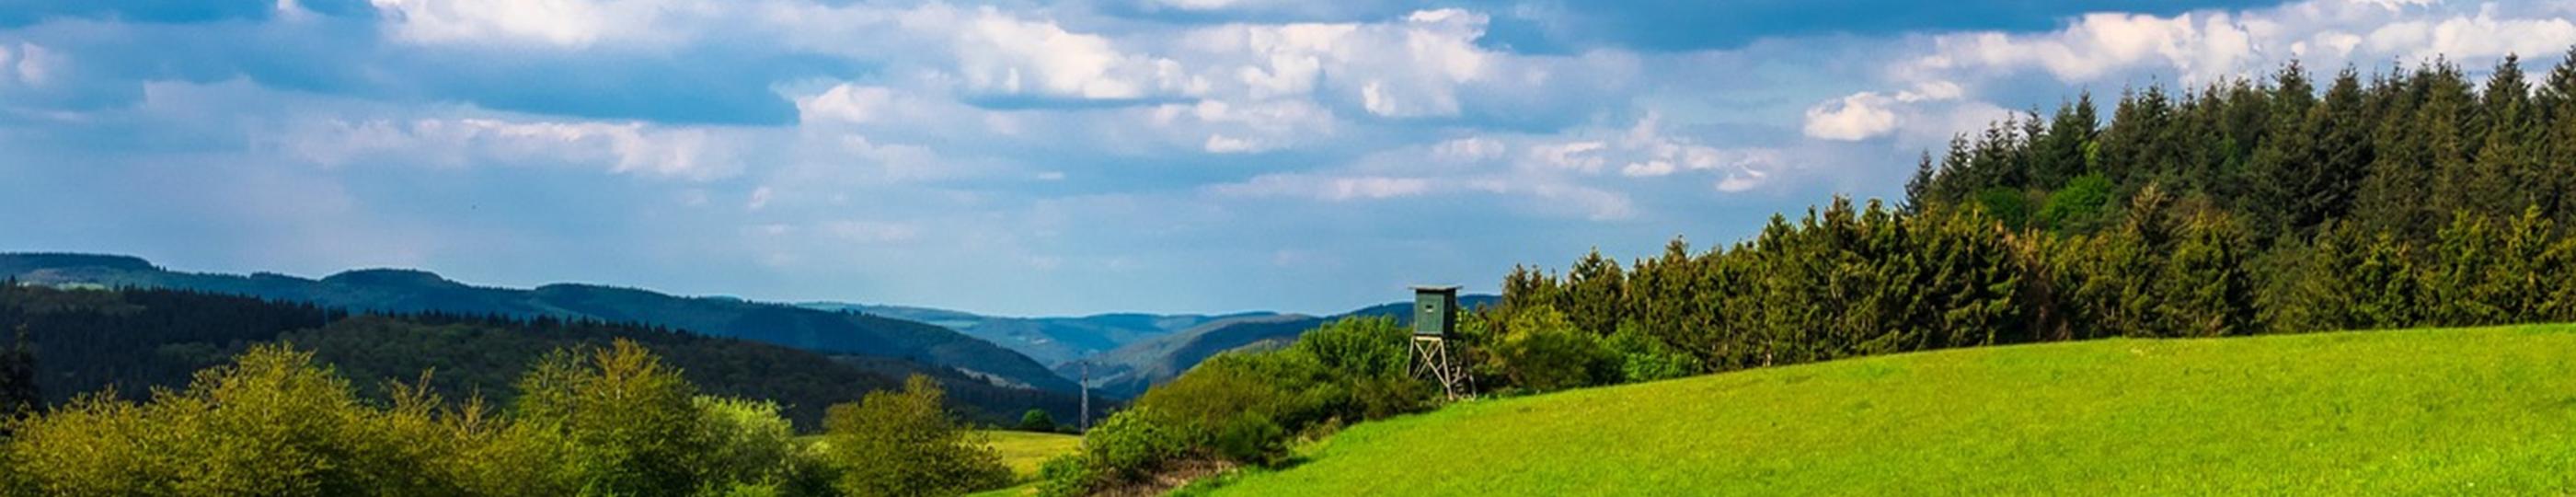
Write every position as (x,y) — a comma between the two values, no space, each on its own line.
(1022,451)
(2488,411)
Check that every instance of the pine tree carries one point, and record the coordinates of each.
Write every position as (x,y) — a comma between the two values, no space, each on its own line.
(2284,174)
(1918,189)
(2205,288)
(2557,105)
(2504,135)
(18,392)
(1592,293)
(2062,152)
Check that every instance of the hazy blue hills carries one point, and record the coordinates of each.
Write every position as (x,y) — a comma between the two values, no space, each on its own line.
(409,291)
(1051,340)
(1129,369)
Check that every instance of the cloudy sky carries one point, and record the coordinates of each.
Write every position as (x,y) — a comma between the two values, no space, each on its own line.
(1054,158)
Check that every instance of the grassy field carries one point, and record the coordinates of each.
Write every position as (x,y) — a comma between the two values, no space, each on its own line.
(2480,411)
(1022,451)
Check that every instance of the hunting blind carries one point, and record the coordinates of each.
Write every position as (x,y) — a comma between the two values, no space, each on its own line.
(1435,319)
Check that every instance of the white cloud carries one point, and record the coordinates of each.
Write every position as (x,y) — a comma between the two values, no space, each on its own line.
(1002,53)
(846,103)
(558,23)
(2189,48)
(1325,187)
(691,154)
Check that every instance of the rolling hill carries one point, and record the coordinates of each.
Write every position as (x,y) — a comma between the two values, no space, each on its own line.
(1130,369)
(2489,411)
(409,291)
(135,341)
(1050,340)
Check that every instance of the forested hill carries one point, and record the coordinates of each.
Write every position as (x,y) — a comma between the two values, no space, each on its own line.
(141,339)
(408,291)
(1051,340)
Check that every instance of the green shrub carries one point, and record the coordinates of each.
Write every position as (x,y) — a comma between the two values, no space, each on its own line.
(1644,358)
(270,423)
(2008,205)
(2078,207)
(908,443)
(1541,352)
(1133,443)
(626,424)
(1251,439)
(755,452)
(1069,475)
(1037,420)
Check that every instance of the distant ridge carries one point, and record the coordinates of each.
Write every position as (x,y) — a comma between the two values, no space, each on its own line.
(411,290)
(1051,340)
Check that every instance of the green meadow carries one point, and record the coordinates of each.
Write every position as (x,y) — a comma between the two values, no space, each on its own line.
(2488,411)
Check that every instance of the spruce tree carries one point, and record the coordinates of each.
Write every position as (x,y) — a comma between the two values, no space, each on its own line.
(2557,104)
(2504,136)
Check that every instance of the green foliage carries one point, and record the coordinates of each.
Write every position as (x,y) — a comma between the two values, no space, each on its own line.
(1643,357)
(755,451)
(270,423)
(19,394)
(2007,205)
(1037,420)
(1541,351)
(2079,207)
(622,422)
(1244,407)
(908,443)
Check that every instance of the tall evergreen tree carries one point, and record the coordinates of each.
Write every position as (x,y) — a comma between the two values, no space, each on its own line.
(1918,189)
(2505,136)
(2061,152)
(18,392)
(2556,104)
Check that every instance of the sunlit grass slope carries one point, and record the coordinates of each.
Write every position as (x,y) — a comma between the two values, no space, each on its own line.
(1024,451)
(2487,411)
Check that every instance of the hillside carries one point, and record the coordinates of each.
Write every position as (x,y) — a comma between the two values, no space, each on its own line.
(409,291)
(1050,340)
(2476,411)
(139,340)
(1128,370)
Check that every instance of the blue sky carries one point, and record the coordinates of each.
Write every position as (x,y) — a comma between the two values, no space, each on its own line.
(1056,157)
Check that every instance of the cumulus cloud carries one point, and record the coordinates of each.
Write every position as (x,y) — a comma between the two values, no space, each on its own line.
(2124,49)
(557,23)
(629,147)
(1325,187)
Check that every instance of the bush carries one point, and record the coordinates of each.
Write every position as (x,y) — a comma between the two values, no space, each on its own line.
(617,420)
(1037,420)
(2078,207)
(1541,352)
(270,423)
(755,452)
(2009,205)
(1644,358)
(908,443)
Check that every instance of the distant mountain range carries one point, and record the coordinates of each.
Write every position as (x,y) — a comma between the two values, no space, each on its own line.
(1130,369)
(408,291)
(1049,340)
